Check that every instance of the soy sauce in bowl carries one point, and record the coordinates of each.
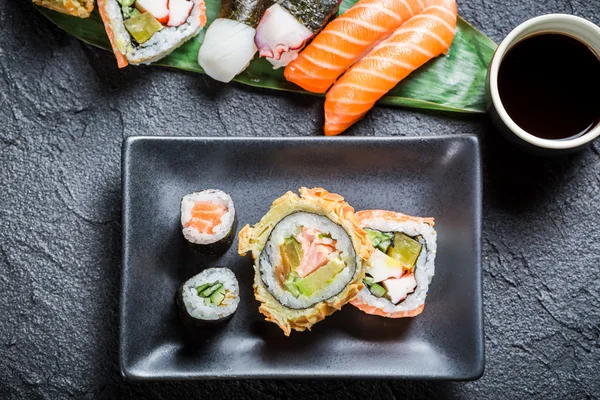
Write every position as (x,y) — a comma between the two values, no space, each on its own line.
(549,85)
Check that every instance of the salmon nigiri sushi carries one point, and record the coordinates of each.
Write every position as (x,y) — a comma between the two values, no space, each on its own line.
(208,221)
(423,37)
(346,39)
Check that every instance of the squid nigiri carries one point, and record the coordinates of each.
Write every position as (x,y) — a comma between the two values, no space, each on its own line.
(346,39)
(228,45)
(287,25)
(423,37)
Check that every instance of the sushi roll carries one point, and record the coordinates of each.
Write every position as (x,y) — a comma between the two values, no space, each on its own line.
(211,296)
(287,25)
(309,258)
(208,221)
(76,8)
(228,45)
(401,267)
(144,31)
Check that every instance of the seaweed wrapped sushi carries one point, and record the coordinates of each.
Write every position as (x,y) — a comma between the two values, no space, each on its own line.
(401,267)
(310,257)
(211,296)
(208,221)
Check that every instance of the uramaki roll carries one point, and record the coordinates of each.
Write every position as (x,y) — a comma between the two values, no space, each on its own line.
(310,257)
(401,267)
(144,31)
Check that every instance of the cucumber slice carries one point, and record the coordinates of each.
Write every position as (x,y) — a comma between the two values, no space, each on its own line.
(377,290)
(201,289)
(368,280)
(212,289)
(290,284)
(384,245)
(207,301)
(217,297)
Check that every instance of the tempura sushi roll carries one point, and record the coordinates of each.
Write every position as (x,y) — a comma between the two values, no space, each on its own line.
(208,221)
(309,258)
(144,31)
(209,297)
(401,268)
(76,8)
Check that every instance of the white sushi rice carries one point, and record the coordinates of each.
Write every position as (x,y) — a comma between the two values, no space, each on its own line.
(215,196)
(424,269)
(161,44)
(194,304)
(271,257)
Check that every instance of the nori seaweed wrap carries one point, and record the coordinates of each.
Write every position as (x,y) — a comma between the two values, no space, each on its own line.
(310,257)
(208,221)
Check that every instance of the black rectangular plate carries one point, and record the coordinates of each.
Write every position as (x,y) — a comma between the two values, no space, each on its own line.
(424,176)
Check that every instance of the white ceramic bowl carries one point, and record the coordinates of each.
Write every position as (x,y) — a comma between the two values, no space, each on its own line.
(576,27)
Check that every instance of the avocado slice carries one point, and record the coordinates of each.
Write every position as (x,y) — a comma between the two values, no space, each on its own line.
(321,277)
(368,280)
(291,253)
(142,26)
(405,250)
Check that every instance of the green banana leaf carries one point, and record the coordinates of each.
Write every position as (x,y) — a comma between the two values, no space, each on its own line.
(454,82)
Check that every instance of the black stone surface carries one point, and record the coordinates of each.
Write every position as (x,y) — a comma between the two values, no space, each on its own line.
(64,109)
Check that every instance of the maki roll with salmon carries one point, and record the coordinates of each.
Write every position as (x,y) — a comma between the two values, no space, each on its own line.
(208,221)
(309,258)
(211,296)
(144,31)
(402,265)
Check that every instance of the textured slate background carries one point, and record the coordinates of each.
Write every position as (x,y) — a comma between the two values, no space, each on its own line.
(65,109)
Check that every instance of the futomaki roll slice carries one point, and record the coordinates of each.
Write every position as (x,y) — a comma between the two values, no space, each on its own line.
(209,297)
(310,257)
(401,268)
(208,221)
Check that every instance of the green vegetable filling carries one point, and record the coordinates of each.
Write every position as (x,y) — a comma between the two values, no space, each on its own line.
(142,26)
(317,280)
(291,252)
(128,8)
(400,247)
(377,290)
(212,293)
(379,240)
(405,250)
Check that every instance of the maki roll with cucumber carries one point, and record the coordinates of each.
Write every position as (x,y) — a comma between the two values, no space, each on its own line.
(402,265)
(144,31)
(208,221)
(209,297)
(309,258)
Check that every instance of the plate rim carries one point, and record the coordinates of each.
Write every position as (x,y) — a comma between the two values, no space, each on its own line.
(478,366)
